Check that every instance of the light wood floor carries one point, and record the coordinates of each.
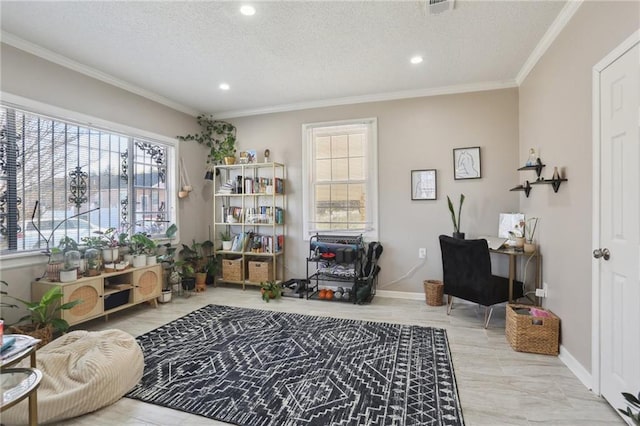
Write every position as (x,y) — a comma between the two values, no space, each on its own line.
(497,385)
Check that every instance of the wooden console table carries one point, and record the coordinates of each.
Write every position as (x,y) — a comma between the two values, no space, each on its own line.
(513,257)
(105,293)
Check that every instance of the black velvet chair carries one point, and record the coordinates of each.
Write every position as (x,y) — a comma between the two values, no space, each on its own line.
(466,267)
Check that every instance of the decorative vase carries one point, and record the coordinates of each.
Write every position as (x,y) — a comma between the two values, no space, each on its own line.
(530,247)
(458,235)
(110,254)
(69,275)
(201,281)
(165,296)
(139,260)
(519,243)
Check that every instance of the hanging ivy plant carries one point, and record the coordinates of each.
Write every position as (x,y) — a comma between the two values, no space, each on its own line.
(219,136)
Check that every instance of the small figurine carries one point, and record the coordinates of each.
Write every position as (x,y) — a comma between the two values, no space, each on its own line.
(266,155)
(531,161)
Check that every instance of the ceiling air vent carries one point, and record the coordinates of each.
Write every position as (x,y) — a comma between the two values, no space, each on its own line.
(439,6)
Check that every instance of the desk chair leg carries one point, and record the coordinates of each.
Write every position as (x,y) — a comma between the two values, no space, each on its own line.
(450,304)
(487,315)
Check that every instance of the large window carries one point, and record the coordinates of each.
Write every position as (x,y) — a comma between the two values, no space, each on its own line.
(59,178)
(340,168)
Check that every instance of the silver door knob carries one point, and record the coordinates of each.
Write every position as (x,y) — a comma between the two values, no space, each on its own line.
(602,253)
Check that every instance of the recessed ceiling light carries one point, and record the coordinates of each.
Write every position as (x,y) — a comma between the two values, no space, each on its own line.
(224,86)
(416,60)
(248,10)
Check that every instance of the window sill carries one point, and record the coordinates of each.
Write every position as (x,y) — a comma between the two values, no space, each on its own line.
(22,260)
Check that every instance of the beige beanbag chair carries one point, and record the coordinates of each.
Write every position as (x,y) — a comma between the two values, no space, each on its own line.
(82,372)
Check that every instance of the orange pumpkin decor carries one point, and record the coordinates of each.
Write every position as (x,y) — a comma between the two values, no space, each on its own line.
(328,295)
(322,294)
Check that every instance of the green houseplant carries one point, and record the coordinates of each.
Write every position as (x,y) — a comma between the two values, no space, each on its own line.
(456,221)
(218,136)
(270,290)
(43,315)
(635,402)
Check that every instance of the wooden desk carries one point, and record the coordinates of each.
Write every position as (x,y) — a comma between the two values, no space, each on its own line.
(513,256)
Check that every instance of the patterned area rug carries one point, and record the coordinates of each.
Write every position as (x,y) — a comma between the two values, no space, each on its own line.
(258,368)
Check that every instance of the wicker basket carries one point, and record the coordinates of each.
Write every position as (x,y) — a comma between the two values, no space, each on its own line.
(232,269)
(260,271)
(528,333)
(433,292)
(45,334)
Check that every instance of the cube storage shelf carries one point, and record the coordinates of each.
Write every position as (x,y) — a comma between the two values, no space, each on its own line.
(106,293)
(250,204)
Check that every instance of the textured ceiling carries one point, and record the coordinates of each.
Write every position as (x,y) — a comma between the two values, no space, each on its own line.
(289,54)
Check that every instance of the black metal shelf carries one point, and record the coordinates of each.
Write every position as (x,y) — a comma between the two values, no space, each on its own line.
(537,167)
(555,183)
(526,188)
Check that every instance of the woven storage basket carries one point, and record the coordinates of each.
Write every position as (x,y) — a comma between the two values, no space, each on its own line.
(260,271)
(45,334)
(433,291)
(527,333)
(232,269)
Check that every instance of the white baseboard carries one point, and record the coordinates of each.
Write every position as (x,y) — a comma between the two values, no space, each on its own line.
(576,368)
(400,294)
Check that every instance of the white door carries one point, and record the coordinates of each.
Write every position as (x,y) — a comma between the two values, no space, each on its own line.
(618,254)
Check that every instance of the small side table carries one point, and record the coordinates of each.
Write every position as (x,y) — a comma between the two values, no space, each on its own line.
(18,384)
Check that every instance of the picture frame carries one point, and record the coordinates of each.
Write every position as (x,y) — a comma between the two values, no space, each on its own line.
(248,157)
(467,163)
(424,184)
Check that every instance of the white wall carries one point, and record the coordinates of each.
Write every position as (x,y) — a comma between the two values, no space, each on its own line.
(417,133)
(555,115)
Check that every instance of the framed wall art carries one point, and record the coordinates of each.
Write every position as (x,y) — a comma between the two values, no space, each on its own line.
(423,185)
(466,163)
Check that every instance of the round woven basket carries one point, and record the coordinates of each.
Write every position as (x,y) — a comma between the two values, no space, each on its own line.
(45,334)
(434,292)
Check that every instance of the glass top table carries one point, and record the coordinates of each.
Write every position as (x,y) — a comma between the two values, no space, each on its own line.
(18,384)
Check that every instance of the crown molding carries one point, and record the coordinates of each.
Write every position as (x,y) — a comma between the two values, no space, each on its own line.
(379,97)
(63,61)
(548,38)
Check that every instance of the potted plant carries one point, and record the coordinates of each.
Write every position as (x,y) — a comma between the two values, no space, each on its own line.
(218,136)
(110,244)
(456,221)
(44,316)
(225,236)
(139,246)
(635,402)
(270,290)
(201,259)
(187,273)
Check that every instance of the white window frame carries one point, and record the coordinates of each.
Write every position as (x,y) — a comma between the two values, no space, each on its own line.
(29,258)
(372,230)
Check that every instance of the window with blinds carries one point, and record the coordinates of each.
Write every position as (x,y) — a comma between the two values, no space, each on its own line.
(52,170)
(340,194)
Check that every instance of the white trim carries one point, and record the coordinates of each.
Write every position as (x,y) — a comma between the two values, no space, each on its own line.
(61,60)
(372,232)
(400,295)
(627,44)
(80,118)
(378,97)
(548,38)
(575,367)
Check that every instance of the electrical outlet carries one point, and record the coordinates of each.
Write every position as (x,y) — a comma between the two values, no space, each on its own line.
(422,253)
(540,292)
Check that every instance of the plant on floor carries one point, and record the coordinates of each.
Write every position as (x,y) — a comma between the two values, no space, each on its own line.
(635,402)
(270,290)
(456,221)
(218,136)
(43,313)
(4,304)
